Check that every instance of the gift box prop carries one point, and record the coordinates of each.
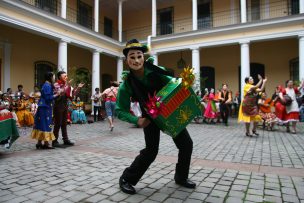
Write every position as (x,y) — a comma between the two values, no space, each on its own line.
(174,106)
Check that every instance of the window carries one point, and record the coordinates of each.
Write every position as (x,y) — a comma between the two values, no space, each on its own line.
(204,19)
(255,10)
(207,77)
(293,7)
(165,21)
(84,14)
(108,27)
(41,68)
(47,5)
(294,69)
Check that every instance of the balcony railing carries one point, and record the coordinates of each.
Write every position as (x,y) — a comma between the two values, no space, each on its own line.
(279,8)
(72,15)
(218,19)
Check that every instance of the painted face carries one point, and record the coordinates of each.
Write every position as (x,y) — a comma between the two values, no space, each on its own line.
(135,59)
(251,80)
(63,77)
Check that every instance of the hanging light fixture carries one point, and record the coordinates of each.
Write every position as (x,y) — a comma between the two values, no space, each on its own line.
(181,63)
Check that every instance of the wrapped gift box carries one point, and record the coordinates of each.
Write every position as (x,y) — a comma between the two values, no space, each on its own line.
(180,106)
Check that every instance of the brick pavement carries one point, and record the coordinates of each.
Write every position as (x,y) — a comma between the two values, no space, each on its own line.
(226,165)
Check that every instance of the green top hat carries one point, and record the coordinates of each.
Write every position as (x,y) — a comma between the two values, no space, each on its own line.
(134,44)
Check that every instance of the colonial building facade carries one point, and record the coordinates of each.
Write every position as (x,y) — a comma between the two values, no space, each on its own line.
(223,40)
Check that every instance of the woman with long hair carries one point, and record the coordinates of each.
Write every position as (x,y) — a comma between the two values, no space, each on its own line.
(42,130)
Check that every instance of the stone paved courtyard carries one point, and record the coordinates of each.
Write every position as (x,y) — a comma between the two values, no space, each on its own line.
(226,165)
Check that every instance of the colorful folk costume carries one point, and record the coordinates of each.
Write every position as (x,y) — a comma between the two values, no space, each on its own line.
(292,110)
(42,130)
(61,108)
(78,115)
(152,79)
(211,110)
(249,105)
(25,117)
(265,112)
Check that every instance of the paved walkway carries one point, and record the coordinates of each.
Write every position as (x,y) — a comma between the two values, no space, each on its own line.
(226,165)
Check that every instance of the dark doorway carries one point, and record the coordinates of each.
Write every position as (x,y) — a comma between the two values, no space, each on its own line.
(84,14)
(165,21)
(255,70)
(207,77)
(108,27)
(204,14)
(41,68)
(47,5)
(106,79)
(293,7)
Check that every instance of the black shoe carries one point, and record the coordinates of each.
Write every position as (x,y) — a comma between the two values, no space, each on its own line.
(68,142)
(55,143)
(255,132)
(39,146)
(126,187)
(186,183)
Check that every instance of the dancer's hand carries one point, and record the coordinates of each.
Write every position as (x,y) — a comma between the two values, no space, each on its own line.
(265,80)
(143,122)
(80,85)
(260,77)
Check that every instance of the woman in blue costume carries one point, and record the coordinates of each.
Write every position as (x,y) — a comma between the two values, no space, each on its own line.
(42,130)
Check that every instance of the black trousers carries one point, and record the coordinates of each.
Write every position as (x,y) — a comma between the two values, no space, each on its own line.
(60,121)
(96,109)
(224,108)
(183,142)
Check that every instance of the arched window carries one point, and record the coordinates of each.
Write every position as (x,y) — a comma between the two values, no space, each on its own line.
(41,68)
(106,78)
(207,77)
(83,75)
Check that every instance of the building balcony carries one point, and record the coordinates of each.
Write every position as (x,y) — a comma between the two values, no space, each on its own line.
(213,18)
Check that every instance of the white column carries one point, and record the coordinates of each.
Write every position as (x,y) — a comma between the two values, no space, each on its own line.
(243,11)
(120,20)
(301,57)
(96,15)
(154,17)
(245,64)
(196,67)
(119,68)
(267,10)
(7,67)
(194,14)
(63,8)
(301,4)
(63,56)
(95,70)
(155,56)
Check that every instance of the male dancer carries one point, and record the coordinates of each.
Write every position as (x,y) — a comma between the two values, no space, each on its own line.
(145,78)
(61,106)
(225,101)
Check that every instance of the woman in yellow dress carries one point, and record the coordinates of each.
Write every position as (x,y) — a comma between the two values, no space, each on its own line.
(248,111)
(25,117)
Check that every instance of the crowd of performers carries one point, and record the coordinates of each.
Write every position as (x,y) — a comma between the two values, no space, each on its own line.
(24,106)
(284,107)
